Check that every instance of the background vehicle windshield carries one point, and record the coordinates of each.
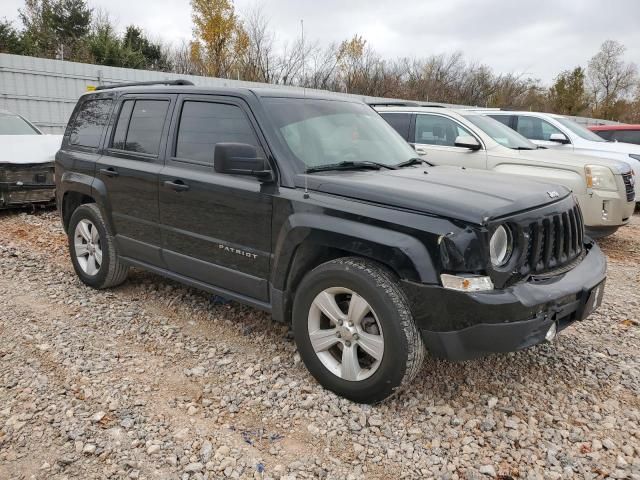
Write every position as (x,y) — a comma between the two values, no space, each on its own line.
(11,124)
(326,132)
(501,133)
(580,130)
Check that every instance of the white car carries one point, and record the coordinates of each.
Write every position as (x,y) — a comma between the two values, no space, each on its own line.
(26,162)
(604,188)
(558,132)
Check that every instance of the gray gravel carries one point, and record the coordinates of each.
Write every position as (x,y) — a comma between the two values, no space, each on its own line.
(153,380)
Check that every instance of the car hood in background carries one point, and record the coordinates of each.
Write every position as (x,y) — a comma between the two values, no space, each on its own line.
(470,195)
(28,149)
(560,158)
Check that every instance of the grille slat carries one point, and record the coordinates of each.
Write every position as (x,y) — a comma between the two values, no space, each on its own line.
(629,186)
(554,241)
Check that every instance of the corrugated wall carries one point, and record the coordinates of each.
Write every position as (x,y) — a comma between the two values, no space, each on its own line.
(45,91)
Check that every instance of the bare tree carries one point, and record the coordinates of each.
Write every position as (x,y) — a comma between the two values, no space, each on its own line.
(610,77)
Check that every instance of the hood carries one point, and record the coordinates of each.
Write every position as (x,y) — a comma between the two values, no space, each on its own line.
(616,147)
(473,196)
(562,159)
(26,149)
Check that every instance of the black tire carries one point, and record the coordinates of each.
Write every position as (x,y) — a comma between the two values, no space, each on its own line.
(404,350)
(112,271)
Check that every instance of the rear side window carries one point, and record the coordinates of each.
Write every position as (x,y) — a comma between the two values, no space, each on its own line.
(204,124)
(535,128)
(86,129)
(505,119)
(120,135)
(145,126)
(399,121)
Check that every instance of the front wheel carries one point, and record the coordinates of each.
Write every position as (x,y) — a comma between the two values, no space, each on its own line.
(354,330)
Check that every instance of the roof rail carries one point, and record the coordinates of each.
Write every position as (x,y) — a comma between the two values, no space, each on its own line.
(137,84)
(393,103)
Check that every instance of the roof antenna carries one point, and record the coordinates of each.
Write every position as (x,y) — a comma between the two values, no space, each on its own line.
(304,60)
(304,91)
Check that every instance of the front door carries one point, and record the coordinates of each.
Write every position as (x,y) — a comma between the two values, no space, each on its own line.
(129,172)
(435,137)
(216,227)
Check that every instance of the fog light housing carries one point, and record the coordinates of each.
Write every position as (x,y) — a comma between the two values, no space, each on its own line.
(551,333)
(466,283)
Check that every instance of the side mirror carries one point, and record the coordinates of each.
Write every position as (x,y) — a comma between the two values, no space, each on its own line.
(240,159)
(467,141)
(559,138)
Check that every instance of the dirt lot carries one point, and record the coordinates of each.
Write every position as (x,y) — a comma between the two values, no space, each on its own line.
(153,380)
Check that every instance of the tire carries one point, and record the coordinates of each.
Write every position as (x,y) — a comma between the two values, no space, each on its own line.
(360,372)
(89,236)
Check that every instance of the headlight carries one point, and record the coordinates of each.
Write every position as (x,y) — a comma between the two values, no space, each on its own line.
(501,246)
(600,178)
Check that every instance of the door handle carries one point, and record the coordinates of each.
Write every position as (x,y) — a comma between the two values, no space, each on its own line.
(177,185)
(109,172)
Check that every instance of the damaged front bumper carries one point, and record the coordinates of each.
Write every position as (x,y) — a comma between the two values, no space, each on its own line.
(26,184)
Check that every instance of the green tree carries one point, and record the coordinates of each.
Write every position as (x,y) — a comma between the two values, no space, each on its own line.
(136,41)
(567,95)
(10,39)
(107,48)
(70,21)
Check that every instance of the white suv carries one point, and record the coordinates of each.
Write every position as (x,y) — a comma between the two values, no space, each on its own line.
(465,138)
(558,132)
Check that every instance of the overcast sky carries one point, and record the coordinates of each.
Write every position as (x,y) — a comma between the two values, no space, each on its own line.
(537,38)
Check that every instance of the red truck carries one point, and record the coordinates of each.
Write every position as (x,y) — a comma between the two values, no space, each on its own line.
(618,133)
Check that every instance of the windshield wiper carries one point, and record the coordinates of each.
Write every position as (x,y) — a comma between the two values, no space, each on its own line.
(349,165)
(413,161)
(524,148)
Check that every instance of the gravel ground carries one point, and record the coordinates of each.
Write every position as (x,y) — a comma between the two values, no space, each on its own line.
(153,380)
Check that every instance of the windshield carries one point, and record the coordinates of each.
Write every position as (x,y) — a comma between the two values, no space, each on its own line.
(326,132)
(501,133)
(11,124)
(579,129)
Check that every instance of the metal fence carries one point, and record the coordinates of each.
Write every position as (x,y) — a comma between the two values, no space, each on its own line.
(45,91)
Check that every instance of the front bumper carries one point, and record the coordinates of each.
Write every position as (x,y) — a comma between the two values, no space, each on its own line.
(463,326)
(26,184)
(603,210)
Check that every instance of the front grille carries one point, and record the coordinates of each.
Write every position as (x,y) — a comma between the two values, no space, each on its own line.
(553,242)
(629,186)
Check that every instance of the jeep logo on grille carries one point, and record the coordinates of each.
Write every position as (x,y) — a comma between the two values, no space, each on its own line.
(553,194)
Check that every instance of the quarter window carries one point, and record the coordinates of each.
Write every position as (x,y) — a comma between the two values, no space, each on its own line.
(535,128)
(438,130)
(205,124)
(399,121)
(120,134)
(86,129)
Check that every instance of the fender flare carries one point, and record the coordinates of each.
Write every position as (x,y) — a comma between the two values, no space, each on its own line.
(404,254)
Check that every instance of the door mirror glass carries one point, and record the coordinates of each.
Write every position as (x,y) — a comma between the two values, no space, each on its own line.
(240,159)
(467,141)
(559,138)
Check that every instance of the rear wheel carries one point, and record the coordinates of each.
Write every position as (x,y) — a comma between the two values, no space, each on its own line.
(93,250)
(354,330)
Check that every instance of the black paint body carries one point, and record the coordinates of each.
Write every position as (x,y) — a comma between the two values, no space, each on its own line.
(253,240)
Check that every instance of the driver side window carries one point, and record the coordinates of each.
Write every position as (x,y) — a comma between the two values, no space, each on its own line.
(438,130)
(535,128)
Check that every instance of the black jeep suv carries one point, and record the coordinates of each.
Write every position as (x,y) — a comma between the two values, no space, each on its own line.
(314,209)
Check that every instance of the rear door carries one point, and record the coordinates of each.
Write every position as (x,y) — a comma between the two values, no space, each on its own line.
(435,137)
(128,171)
(216,227)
